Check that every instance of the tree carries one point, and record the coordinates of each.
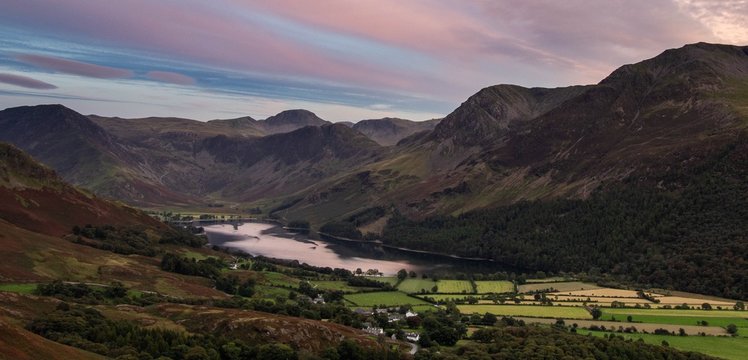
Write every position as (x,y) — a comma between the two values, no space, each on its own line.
(489,319)
(706,306)
(596,313)
(412,274)
(739,306)
(247,288)
(276,352)
(732,329)
(115,290)
(402,274)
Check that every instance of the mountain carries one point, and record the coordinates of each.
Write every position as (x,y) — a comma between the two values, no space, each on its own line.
(39,215)
(85,154)
(283,163)
(291,120)
(505,144)
(35,198)
(389,131)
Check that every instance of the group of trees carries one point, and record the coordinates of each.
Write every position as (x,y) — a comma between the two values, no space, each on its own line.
(514,340)
(128,240)
(209,268)
(689,237)
(88,329)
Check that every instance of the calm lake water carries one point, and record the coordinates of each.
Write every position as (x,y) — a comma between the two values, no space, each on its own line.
(275,242)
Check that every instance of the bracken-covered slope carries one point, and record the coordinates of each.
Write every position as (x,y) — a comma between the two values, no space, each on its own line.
(34,198)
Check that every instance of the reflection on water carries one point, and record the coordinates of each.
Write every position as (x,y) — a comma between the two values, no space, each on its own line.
(275,242)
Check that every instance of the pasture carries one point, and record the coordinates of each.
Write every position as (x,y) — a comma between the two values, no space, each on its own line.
(18,288)
(334,285)
(455,287)
(565,312)
(386,298)
(496,287)
(719,346)
(414,286)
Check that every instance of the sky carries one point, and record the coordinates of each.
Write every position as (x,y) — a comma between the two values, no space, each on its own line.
(344,60)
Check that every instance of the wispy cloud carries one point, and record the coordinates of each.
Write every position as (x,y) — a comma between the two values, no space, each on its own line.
(170,77)
(420,55)
(25,81)
(74,67)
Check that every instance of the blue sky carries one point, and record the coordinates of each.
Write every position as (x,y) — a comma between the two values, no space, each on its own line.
(344,60)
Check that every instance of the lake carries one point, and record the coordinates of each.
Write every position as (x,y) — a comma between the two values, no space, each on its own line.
(275,242)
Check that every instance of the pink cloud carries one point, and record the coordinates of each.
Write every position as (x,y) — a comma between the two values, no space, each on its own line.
(207,34)
(26,82)
(170,77)
(74,67)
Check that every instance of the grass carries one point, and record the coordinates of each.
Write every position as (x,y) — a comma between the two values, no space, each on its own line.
(334,285)
(497,287)
(387,298)
(719,346)
(677,312)
(413,286)
(194,255)
(278,279)
(455,286)
(18,288)
(528,310)
(679,317)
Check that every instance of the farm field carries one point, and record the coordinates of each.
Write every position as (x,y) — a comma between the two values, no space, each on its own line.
(597,299)
(678,300)
(733,348)
(497,287)
(565,312)
(601,292)
(689,329)
(720,318)
(558,286)
(678,313)
(412,286)
(387,298)
(334,285)
(278,279)
(18,288)
(678,320)
(455,286)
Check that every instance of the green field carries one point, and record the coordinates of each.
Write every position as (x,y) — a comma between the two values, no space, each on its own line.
(455,286)
(18,288)
(278,279)
(385,279)
(497,287)
(528,310)
(720,346)
(412,286)
(334,285)
(677,312)
(681,317)
(387,298)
